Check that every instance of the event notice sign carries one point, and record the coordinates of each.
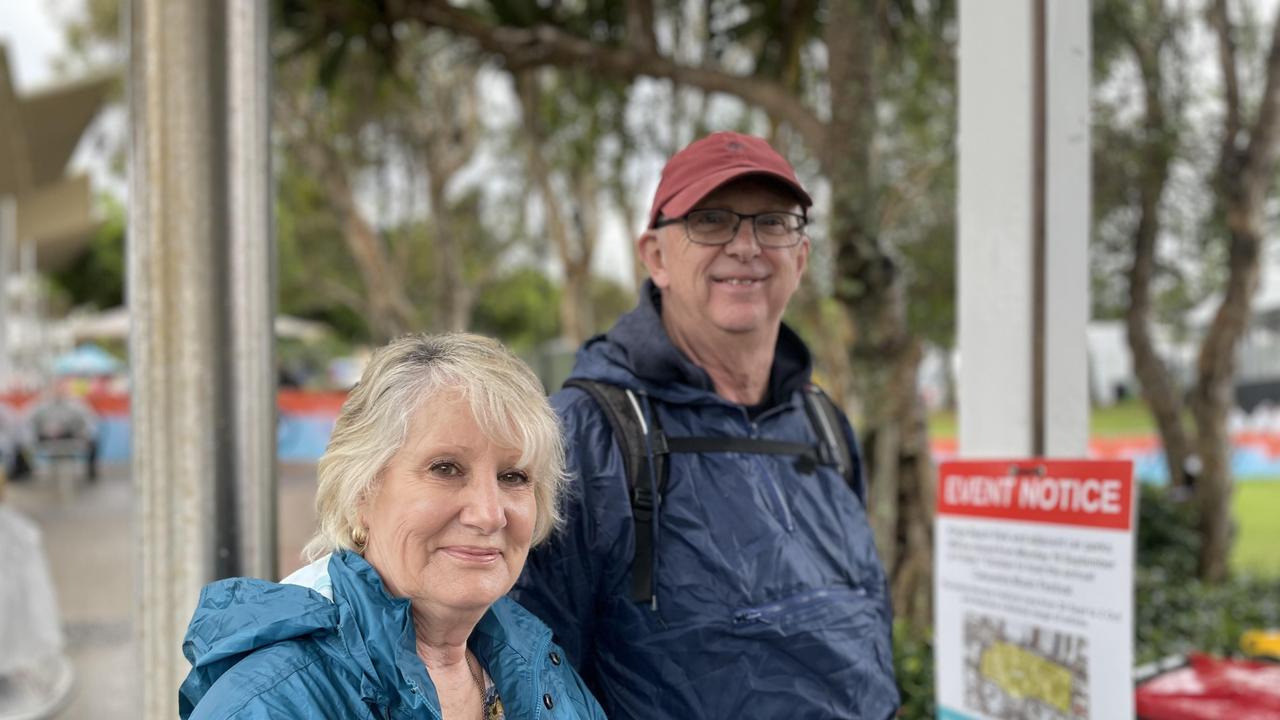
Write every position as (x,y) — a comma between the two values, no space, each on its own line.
(1034,589)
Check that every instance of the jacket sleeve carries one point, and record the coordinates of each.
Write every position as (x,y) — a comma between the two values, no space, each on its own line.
(568,578)
(279,681)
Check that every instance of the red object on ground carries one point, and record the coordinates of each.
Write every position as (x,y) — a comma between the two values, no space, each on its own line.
(1209,688)
(293,402)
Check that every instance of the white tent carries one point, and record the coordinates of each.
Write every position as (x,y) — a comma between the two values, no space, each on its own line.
(114,324)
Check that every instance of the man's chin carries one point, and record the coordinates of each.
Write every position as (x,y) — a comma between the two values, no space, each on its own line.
(743,323)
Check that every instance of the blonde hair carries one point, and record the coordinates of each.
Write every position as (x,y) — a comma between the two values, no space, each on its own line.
(505,398)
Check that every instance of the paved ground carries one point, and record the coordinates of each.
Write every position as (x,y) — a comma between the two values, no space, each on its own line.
(89,540)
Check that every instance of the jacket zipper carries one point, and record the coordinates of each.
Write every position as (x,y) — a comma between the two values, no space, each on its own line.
(771,479)
(765,614)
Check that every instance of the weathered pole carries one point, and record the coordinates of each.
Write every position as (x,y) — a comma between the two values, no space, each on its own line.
(8,243)
(253,281)
(201,314)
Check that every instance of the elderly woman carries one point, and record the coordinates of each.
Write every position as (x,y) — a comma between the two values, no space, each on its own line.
(444,467)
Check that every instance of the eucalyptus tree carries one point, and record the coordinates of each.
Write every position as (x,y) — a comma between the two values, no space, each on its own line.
(1244,183)
(818,72)
(1137,162)
(1140,46)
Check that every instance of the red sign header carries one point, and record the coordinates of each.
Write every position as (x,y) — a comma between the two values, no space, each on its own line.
(1089,493)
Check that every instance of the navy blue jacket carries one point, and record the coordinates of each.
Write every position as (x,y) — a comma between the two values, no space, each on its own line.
(338,646)
(771,600)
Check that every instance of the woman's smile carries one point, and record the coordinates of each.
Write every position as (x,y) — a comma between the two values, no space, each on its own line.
(472,555)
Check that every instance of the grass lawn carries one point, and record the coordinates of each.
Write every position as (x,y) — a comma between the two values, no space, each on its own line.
(1126,418)
(1257,511)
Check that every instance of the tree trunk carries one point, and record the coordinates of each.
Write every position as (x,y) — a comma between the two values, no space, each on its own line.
(884,357)
(1246,170)
(1160,393)
(454,296)
(390,312)
(575,304)
(1212,400)
(575,257)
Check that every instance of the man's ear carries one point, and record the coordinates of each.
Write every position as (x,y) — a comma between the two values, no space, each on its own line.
(802,256)
(649,251)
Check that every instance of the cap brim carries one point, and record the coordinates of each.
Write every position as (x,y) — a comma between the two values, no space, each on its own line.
(683,201)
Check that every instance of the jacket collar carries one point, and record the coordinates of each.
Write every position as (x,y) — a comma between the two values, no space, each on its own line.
(636,352)
(377,630)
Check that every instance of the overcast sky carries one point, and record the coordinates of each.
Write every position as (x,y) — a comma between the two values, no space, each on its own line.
(29,31)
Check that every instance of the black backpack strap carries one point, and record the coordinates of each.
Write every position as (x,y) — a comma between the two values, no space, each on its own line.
(641,439)
(645,481)
(807,457)
(833,446)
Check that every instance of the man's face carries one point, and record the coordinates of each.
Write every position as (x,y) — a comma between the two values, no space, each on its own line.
(736,288)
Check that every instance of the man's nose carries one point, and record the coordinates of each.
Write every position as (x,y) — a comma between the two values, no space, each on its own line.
(743,244)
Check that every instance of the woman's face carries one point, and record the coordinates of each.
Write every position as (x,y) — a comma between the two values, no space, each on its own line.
(452,514)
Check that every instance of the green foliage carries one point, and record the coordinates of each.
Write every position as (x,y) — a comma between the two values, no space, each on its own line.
(1175,612)
(609,301)
(913,665)
(96,278)
(1176,618)
(1167,542)
(1147,145)
(918,88)
(314,279)
(519,307)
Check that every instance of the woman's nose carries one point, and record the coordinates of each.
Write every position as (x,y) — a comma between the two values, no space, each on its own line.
(482,506)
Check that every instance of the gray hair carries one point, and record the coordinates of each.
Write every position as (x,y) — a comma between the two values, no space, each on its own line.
(505,398)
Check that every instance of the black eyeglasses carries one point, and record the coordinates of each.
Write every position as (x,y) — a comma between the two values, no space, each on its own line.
(718,227)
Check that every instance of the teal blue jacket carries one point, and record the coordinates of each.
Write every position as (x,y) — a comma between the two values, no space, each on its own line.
(337,645)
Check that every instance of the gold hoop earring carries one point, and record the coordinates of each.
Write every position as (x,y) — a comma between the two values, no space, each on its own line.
(360,536)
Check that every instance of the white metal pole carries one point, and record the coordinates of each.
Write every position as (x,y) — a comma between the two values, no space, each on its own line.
(995,218)
(1067,227)
(1023,227)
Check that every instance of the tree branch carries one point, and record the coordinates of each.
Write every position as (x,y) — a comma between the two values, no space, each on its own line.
(1260,161)
(528,91)
(1230,80)
(542,45)
(640,27)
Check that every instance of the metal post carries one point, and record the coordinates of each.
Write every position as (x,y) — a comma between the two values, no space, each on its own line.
(253,281)
(1067,216)
(8,240)
(35,352)
(190,394)
(1023,227)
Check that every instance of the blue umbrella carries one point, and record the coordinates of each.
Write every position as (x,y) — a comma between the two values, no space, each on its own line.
(88,359)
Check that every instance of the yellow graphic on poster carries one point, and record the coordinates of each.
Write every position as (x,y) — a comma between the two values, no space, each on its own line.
(1022,674)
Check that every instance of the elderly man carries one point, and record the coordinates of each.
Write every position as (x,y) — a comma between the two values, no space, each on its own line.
(717,561)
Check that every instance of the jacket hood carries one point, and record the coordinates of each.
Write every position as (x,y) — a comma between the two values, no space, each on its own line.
(636,353)
(362,626)
(235,617)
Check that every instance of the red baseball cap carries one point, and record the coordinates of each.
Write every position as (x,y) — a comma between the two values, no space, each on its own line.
(712,161)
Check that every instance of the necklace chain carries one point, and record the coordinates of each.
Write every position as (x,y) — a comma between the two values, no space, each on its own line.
(474,666)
